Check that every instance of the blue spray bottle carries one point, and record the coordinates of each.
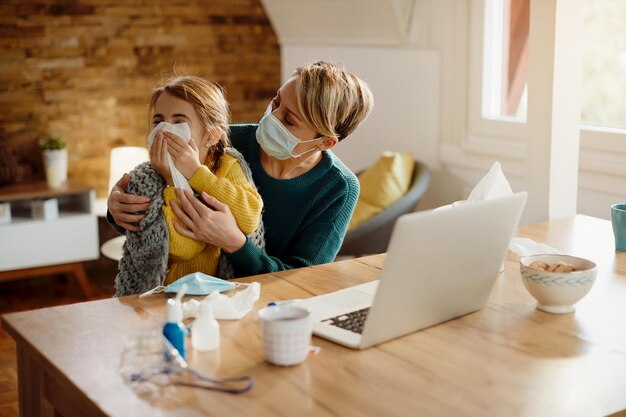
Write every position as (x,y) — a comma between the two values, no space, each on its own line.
(174,329)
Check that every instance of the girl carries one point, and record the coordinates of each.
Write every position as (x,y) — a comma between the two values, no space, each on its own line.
(158,254)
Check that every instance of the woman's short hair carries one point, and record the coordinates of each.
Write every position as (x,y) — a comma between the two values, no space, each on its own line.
(332,100)
(206,97)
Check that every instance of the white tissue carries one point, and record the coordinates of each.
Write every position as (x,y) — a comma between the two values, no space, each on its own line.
(179,129)
(190,308)
(225,307)
(494,184)
(526,247)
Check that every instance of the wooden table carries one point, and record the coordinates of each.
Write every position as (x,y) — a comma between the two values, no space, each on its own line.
(508,359)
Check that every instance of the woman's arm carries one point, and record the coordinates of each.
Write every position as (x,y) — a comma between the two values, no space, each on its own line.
(231,187)
(125,211)
(316,243)
(212,223)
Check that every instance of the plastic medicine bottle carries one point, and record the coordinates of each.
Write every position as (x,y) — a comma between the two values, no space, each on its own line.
(205,330)
(174,330)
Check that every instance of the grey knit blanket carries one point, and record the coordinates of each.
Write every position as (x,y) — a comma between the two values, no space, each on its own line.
(144,262)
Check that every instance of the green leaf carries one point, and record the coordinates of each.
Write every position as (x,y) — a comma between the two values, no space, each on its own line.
(52,143)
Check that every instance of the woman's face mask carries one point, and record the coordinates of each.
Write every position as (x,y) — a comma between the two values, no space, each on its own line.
(197,284)
(276,140)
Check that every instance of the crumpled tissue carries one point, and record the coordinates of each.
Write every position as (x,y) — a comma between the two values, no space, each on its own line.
(225,307)
(179,129)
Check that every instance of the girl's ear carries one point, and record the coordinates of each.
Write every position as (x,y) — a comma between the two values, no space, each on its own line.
(214,136)
(206,139)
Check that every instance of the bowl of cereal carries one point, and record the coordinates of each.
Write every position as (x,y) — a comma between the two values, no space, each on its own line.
(557,281)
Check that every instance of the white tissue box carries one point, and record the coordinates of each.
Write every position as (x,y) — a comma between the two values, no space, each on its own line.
(5,213)
(45,209)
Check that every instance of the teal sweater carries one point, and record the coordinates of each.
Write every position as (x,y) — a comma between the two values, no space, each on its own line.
(305,218)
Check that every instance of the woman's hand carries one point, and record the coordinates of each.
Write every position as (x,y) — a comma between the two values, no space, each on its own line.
(124,207)
(158,158)
(214,224)
(185,154)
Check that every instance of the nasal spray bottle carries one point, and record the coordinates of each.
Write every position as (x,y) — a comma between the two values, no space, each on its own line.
(174,329)
(205,330)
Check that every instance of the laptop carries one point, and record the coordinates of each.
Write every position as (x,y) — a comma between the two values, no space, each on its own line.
(440,264)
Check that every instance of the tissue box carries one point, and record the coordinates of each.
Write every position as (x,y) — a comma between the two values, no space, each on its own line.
(5,213)
(45,209)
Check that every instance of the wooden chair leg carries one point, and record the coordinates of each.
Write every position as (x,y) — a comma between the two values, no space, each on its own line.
(79,272)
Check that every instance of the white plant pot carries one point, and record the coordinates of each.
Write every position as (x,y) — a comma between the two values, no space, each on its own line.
(55,163)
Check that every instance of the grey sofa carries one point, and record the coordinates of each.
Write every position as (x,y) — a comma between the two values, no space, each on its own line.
(372,236)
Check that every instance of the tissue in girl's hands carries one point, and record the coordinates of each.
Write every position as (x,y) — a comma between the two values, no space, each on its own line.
(494,184)
(183,131)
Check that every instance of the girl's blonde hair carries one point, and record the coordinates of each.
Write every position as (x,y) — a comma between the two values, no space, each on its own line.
(332,100)
(209,102)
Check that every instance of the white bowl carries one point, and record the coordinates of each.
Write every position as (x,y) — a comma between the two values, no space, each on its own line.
(557,292)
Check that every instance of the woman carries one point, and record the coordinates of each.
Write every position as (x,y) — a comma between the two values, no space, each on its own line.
(308,193)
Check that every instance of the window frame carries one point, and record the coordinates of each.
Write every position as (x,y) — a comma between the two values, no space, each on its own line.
(508,128)
(511,129)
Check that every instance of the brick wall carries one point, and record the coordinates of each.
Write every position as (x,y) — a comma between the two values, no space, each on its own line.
(85,69)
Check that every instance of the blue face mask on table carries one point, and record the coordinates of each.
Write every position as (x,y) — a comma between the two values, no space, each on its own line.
(197,284)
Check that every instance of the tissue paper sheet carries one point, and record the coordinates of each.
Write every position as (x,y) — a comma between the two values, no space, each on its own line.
(526,247)
(494,184)
(179,129)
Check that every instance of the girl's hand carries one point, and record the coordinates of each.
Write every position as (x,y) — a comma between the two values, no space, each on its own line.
(212,223)
(185,154)
(158,158)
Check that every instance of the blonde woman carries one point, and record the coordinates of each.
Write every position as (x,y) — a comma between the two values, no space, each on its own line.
(308,193)
(157,254)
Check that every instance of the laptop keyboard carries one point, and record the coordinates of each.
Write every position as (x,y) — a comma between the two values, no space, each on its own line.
(353,321)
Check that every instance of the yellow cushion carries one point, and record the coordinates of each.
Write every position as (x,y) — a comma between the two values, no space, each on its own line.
(382,184)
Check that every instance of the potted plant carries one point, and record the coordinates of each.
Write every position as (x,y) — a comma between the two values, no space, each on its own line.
(55,160)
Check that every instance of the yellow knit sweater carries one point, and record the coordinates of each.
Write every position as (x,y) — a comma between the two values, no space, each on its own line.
(231,187)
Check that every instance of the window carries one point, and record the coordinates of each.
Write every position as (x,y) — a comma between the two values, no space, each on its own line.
(505,61)
(604,63)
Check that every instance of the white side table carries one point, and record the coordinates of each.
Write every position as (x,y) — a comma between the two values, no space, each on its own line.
(113,248)
(45,246)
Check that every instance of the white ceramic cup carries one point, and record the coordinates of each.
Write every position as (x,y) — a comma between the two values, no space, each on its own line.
(286,332)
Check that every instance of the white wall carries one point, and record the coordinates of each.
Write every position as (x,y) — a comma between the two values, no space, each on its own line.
(405,84)
(395,45)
